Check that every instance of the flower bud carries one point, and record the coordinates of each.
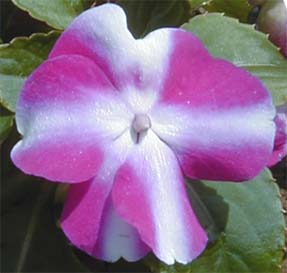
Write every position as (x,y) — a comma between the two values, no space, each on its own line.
(256,2)
(272,19)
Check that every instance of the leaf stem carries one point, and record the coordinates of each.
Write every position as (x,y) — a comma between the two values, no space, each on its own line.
(43,197)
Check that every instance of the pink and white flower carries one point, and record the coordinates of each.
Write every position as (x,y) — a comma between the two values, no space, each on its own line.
(280,142)
(131,118)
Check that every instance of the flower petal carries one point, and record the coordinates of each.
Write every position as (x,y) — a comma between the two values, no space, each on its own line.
(118,239)
(82,214)
(92,225)
(66,120)
(280,144)
(149,194)
(217,117)
(89,220)
(102,35)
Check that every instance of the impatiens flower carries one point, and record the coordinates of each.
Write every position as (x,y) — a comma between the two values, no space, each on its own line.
(124,121)
(280,143)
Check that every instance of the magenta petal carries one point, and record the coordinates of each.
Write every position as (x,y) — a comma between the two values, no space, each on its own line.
(89,220)
(62,159)
(217,117)
(66,113)
(280,144)
(91,224)
(196,79)
(102,35)
(149,193)
(82,214)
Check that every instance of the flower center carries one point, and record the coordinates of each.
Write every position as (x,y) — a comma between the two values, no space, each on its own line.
(140,125)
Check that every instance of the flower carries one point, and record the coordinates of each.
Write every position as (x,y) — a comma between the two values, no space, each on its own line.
(131,118)
(280,142)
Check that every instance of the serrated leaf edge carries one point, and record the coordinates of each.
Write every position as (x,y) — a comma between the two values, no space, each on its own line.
(27,39)
(31,37)
(32,14)
(247,26)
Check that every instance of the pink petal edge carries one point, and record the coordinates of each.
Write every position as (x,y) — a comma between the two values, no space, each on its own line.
(217,117)
(66,121)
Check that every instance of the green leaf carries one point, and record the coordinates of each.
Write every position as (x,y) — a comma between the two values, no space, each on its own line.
(147,15)
(17,60)
(32,241)
(6,123)
(251,223)
(56,13)
(274,77)
(253,237)
(245,47)
(239,9)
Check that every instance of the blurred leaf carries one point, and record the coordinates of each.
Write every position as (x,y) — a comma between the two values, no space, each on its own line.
(147,15)
(6,123)
(32,242)
(17,60)
(238,9)
(252,228)
(245,47)
(56,13)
